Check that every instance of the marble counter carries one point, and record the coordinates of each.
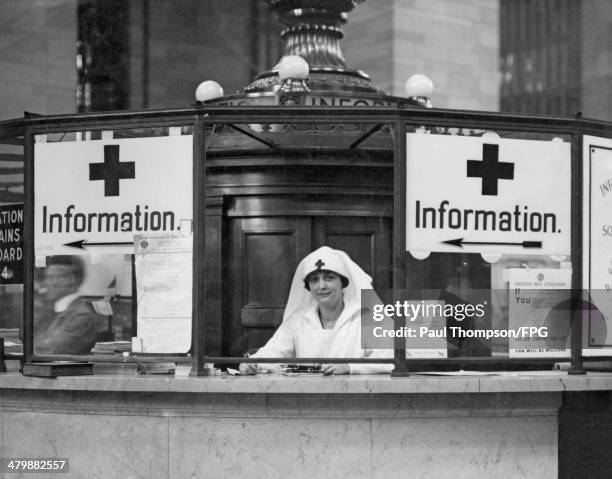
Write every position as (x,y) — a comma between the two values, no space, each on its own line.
(129,426)
(515,382)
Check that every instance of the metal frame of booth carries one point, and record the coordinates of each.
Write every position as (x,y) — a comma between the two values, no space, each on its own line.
(399,118)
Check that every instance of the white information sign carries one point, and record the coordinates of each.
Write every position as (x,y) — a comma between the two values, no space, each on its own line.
(487,195)
(597,241)
(99,194)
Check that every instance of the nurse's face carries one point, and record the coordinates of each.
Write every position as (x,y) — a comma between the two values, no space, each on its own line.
(326,289)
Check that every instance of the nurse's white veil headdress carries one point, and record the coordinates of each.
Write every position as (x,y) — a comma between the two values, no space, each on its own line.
(326,258)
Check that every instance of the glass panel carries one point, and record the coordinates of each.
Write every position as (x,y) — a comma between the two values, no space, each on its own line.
(291,189)
(489,211)
(11,243)
(453,322)
(113,242)
(597,249)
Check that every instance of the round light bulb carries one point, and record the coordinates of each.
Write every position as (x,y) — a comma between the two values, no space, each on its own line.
(491,257)
(419,86)
(294,67)
(208,90)
(490,135)
(420,254)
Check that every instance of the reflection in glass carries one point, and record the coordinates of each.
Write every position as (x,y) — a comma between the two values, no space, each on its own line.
(76,305)
(65,322)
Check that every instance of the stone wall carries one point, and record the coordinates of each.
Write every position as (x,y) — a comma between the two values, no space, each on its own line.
(596,59)
(394,39)
(37,57)
(189,42)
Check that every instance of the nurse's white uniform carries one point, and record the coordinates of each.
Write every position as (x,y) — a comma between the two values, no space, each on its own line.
(301,335)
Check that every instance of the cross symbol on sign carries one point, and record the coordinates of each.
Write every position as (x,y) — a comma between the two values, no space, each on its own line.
(111,171)
(490,169)
(319,264)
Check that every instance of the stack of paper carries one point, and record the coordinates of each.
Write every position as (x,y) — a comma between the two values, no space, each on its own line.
(112,347)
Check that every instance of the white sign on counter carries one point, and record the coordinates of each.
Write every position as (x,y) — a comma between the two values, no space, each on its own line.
(487,195)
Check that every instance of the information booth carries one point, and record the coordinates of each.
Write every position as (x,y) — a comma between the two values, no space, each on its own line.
(176,235)
(234,198)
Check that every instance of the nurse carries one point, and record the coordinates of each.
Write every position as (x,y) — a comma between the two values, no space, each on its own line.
(323,317)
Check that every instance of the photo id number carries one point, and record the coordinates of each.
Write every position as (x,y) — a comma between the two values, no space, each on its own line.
(27,464)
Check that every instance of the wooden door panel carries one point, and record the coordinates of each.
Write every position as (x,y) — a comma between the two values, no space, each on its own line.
(266,267)
(360,246)
(264,255)
(366,240)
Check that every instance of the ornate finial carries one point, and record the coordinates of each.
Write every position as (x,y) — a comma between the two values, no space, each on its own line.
(313,32)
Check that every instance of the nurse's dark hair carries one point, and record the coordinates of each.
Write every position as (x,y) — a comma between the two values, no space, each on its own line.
(343,279)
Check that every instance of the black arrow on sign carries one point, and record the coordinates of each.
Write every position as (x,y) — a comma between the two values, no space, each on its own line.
(525,244)
(81,244)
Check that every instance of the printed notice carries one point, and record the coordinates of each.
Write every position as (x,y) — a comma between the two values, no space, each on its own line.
(539,302)
(163,286)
